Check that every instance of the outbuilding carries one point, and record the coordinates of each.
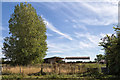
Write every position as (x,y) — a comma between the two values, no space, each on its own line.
(53,60)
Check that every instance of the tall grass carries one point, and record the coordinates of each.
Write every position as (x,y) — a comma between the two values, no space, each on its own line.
(49,68)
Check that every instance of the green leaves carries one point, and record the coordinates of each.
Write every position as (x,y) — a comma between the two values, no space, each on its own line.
(112,52)
(99,57)
(27,43)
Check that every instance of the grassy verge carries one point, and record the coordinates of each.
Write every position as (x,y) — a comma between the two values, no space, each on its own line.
(85,76)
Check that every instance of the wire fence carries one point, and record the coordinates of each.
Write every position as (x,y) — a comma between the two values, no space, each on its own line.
(45,68)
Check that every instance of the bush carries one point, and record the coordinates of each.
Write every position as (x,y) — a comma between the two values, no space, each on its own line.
(7,73)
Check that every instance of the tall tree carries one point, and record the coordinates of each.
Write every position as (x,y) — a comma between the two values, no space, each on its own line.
(27,43)
(111,45)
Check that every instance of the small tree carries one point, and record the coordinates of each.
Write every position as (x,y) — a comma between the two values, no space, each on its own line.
(99,57)
(27,43)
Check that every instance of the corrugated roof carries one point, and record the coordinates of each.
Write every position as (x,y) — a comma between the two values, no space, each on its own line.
(77,57)
(54,58)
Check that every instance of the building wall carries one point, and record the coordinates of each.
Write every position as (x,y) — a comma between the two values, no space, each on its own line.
(51,61)
(83,60)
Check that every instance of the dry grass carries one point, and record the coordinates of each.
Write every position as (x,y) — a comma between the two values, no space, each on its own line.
(47,68)
(21,69)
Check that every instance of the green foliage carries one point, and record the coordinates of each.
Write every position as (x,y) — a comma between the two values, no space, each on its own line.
(111,45)
(13,76)
(27,43)
(99,57)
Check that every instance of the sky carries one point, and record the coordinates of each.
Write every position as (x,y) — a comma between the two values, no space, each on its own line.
(74,29)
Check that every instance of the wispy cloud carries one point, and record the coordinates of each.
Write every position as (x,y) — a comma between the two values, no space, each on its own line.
(80,26)
(105,7)
(106,13)
(49,34)
(84,44)
(55,51)
(95,21)
(92,38)
(54,29)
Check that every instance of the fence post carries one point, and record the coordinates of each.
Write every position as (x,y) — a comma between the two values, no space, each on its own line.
(29,69)
(59,67)
(41,69)
(6,67)
(74,69)
(54,66)
(68,71)
(78,69)
(71,68)
(20,70)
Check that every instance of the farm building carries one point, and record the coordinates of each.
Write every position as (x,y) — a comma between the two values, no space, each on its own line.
(66,59)
(75,59)
(53,59)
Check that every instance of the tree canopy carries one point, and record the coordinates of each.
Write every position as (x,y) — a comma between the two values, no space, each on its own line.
(27,41)
(99,57)
(111,45)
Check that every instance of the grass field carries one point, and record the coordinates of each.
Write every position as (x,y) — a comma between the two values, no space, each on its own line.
(78,70)
(47,68)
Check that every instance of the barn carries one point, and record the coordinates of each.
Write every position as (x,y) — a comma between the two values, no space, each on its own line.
(53,60)
(66,59)
(74,59)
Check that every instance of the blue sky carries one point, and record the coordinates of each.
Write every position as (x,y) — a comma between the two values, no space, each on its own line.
(73,28)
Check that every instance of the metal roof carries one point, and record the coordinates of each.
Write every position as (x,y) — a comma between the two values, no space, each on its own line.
(54,58)
(77,57)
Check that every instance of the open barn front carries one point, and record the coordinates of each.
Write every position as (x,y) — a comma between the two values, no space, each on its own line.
(77,59)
